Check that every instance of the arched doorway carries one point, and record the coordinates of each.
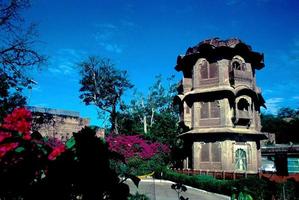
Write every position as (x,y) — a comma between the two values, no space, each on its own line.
(240,160)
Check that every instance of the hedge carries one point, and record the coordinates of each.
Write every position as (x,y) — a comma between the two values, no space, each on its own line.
(259,189)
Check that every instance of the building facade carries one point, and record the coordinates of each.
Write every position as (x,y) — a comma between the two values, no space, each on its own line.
(55,123)
(220,106)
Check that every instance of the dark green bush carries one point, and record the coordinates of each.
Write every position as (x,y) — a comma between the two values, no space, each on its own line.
(138,166)
(259,189)
(138,196)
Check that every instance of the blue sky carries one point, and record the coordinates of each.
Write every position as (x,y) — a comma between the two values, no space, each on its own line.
(145,38)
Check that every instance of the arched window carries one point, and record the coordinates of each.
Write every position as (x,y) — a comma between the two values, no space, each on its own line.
(238,63)
(243,105)
(204,71)
(208,71)
(240,160)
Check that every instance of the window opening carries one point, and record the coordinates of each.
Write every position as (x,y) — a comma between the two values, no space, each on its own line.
(208,71)
(240,160)
(209,110)
(243,105)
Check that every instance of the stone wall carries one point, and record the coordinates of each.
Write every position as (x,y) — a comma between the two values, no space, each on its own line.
(56,123)
(62,127)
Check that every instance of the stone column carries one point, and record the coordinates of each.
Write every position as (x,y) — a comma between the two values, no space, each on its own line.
(196,155)
(196,115)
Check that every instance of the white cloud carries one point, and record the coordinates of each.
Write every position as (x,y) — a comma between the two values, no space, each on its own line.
(111,47)
(65,60)
(273,104)
(36,88)
(107,34)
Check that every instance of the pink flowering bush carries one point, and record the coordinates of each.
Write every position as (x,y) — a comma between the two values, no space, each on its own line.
(56,152)
(33,167)
(135,146)
(4,148)
(19,120)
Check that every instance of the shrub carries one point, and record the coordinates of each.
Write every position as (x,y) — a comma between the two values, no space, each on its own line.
(32,167)
(259,189)
(138,196)
(135,146)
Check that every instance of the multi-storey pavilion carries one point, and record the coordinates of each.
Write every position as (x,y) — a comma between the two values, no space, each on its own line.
(220,106)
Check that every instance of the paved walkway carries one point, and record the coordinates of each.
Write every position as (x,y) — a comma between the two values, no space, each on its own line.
(157,189)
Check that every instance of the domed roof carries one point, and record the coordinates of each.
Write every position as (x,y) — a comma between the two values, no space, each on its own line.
(217,42)
(216,49)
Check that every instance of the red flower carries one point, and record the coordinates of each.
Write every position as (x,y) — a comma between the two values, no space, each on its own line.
(19,120)
(56,152)
(4,135)
(4,148)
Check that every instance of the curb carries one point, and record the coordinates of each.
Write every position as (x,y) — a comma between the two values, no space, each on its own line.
(189,187)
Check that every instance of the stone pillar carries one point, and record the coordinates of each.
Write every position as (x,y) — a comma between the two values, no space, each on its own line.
(196,115)
(196,155)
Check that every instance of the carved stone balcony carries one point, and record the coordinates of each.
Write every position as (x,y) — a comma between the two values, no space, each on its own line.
(243,114)
(242,118)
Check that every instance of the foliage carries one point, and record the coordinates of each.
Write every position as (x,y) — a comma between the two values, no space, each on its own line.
(138,196)
(179,188)
(259,189)
(154,116)
(23,158)
(103,85)
(146,110)
(134,145)
(17,54)
(139,167)
(35,168)
(284,125)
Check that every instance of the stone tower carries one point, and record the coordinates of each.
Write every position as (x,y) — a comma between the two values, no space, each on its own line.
(220,106)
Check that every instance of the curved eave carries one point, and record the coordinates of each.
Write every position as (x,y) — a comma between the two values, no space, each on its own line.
(178,99)
(199,91)
(240,90)
(225,133)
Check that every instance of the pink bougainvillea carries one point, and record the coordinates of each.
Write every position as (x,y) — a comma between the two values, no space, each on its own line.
(134,145)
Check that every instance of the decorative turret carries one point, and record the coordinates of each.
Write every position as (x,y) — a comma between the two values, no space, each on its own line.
(220,105)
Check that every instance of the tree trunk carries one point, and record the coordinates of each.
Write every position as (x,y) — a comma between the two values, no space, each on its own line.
(114,125)
(152,117)
(144,124)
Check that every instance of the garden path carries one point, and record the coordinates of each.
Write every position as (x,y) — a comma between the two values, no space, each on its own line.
(157,189)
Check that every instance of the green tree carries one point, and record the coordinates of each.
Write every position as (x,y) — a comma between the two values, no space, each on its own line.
(17,54)
(103,85)
(148,109)
(155,116)
(285,125)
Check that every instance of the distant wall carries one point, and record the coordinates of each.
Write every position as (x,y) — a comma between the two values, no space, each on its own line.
(56,123)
